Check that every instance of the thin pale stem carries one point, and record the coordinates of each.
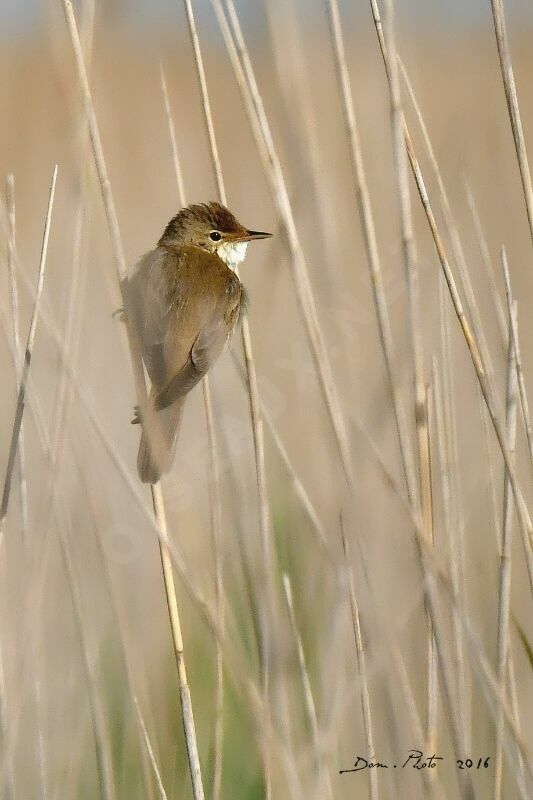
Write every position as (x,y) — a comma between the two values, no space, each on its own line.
(505,570)
(371,247)
(252,385)
(526,525)
(366,706)
(455,239)
(513,332)
(17,424)
(506,67)
(309,700)
(446,423)
(253,103)
(150,751)
(14,304)
(451,536)
(23,494)
(214,497)
(157,497)
(487,264)
(420,395)
(102,743)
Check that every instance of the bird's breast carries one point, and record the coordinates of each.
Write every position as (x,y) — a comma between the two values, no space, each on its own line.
(232,253)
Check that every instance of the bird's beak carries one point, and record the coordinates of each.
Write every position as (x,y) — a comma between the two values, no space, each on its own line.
(250,235)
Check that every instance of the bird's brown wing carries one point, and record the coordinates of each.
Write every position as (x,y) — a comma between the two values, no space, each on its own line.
(214,305)
(150,300)
(208,346)
(185,305)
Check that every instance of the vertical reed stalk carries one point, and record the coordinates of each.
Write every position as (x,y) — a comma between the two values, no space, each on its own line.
(14,304)
(446,424)
(366,706)
(506,67)
(309,700)
(526,525)
(504,589)
(371,247)
(214,501)
(21,396)
(157,497)
(513,333)
(23,495)
(150,750)
(253,103)
(420,395)
(102,743)
(253,391)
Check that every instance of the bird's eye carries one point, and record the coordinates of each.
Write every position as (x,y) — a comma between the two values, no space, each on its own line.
(215,236)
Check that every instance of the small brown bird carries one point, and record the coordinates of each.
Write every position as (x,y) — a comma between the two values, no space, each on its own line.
(184,300)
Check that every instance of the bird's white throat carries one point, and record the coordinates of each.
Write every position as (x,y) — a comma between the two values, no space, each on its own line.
(232,254)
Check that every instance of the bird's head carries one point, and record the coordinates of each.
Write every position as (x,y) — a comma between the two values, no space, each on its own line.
(213,227)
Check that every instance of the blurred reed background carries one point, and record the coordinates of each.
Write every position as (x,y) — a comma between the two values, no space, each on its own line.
(302,652)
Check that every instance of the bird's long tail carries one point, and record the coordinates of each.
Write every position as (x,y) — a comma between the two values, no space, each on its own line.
(158,441)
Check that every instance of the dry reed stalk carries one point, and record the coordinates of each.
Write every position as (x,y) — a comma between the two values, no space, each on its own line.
(297,485)
(451,225)
(66,388)
(7,778)
(102,743)
(150,750)
(417,353)
(101,740)
(209,617)
(98,725)
(216,529)
(15,434)
(434,573)
(526,525)
(505,569)
(214,497)
(516,715)
(8,733)
(432,687)
(510,660)
(513,333)
(446,418)
(506,67)
(477,657)
(366,706)
(9,781)
(451,536)
(309,700)
(253,103)
(236,668)
(140,386)
(288,50)
(172,133)
(253,391)
(431,573)
(486,261)
(504,588)
(433,786)
(14,304)
(23,497)
(118,619)
(371,247)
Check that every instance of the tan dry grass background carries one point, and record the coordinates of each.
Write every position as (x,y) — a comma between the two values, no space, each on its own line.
(458,84)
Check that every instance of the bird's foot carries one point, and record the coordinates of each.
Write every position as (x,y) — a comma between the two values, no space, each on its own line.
(136,416)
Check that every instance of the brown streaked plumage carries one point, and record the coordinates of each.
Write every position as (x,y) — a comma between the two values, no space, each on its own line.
(184,300)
